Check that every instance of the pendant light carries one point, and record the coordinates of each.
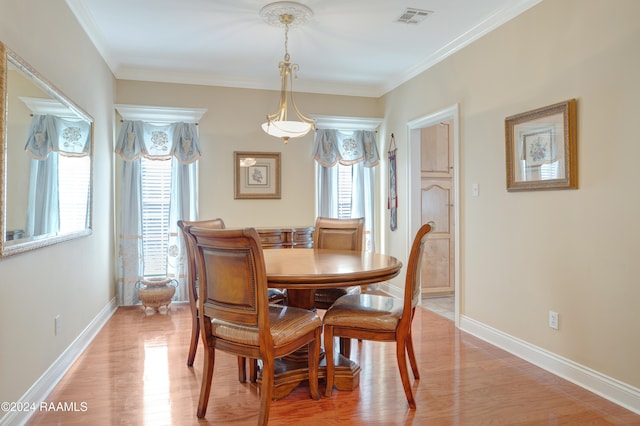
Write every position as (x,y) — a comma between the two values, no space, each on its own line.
(279,124)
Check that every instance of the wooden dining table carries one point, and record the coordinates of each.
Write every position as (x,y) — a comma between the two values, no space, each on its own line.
(301,271)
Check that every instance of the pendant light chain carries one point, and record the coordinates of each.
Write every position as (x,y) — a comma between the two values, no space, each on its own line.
(286,42)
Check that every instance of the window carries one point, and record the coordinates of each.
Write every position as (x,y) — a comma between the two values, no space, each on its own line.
(156,204)
(158,188)
(74,175)
(345,191)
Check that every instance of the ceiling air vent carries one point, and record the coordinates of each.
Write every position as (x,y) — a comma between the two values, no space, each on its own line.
(414,16)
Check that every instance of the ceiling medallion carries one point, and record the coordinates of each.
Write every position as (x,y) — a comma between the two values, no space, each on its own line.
(300,13)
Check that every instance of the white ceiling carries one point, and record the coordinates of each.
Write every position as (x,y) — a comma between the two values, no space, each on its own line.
(352,47)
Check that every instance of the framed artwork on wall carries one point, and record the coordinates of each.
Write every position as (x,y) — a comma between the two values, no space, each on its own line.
(257,175)
(541,148)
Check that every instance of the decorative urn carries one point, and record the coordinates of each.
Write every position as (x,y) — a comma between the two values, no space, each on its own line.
(155,292)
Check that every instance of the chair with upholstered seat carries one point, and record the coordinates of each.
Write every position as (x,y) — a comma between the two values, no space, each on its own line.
(235,314)
(275,295)
(379,318)
(339,234)
(193,284)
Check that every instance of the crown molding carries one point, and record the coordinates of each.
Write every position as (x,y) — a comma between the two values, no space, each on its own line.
(154,114)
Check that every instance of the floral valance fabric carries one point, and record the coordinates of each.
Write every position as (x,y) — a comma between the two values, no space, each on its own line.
(161,142)
(333,146)
(49,133)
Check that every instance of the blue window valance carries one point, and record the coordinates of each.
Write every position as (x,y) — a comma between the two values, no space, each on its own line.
(161,142)
(334,146)
(49,133)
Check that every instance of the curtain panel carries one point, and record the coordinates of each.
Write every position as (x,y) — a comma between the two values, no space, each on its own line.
(178,142)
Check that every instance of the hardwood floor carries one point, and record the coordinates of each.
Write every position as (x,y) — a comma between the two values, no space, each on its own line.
(135,373)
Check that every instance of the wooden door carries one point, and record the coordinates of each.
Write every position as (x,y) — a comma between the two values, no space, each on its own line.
(436,168)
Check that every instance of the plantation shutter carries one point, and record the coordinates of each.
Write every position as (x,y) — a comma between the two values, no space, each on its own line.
(156,204)
(344,191)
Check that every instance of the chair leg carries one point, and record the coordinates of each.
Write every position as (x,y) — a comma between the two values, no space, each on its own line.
(345,347)
(242,369)
(314,360)
(328,355)
(253,371)
(195,335)
(266,390)
(207,374)
(404,373)
(412,356)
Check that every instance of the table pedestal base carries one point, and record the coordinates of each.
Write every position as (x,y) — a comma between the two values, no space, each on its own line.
(293,369)
(289,374)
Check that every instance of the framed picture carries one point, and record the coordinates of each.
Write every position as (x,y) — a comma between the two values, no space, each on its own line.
(257,175)
(541,148)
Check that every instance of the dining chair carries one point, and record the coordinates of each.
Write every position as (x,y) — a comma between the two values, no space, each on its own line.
(275,295)
(193,283)
(339,234)
(235,314)
(379,318)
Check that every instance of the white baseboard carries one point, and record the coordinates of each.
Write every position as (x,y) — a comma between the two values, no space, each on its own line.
(391,289)
(614,390)
(41,389)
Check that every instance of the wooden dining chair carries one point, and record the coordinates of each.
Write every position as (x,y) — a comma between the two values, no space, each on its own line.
(275,295)
(235,314)
(379,318)
(338,234)
(193,284)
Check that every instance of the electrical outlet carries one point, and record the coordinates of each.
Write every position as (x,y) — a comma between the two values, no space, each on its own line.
(56,322)
(554,320)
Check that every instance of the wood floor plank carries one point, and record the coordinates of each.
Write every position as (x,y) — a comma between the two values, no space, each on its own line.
(135,373)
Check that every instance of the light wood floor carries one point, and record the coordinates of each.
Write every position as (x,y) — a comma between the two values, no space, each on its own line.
(135,373)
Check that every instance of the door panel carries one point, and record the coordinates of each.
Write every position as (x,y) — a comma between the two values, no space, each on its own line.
(435,150)
(435,266)
(436,161)
(436,207)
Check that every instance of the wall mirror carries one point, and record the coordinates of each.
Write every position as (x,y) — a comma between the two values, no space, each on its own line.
(45,161)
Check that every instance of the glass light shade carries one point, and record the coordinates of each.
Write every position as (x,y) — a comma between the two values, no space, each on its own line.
(286,129)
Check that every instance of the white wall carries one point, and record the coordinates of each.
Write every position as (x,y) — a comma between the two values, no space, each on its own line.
(571,251)
(73,279)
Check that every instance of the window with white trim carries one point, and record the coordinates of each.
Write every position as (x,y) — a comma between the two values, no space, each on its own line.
(345,191)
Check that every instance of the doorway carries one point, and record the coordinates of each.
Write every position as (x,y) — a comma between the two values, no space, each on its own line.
(434,198)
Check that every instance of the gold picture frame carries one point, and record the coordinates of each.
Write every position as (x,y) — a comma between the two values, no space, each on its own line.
(257,175)
(541,149)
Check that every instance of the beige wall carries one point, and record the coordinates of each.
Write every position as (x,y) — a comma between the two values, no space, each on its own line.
(73,279)
(232,123)
(523,254)
(573,252)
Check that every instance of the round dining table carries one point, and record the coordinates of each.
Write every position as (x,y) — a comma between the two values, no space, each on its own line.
(301,271)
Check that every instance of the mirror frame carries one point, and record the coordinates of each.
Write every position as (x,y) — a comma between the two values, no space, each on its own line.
(6,56)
